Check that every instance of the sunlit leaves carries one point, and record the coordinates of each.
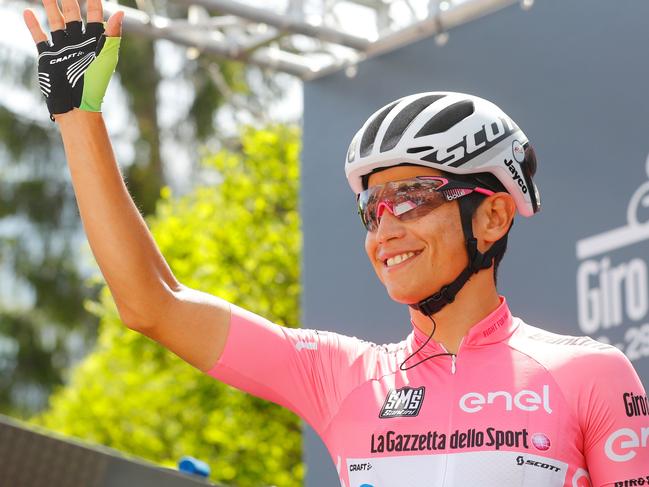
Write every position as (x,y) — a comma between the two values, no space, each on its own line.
(239,240)
(40,228)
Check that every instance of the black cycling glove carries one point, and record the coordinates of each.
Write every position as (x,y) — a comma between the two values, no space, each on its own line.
(75,68)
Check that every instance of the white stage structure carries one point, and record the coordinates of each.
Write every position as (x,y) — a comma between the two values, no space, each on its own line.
(306,38)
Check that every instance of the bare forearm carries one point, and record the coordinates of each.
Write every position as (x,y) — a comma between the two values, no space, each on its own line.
(150,300)
(136,272)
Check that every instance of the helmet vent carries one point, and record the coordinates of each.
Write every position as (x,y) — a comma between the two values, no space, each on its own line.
(447,118)
(404,118)
(367,142)
(417,150)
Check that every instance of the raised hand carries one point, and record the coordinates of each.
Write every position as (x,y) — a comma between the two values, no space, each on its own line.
(75,67)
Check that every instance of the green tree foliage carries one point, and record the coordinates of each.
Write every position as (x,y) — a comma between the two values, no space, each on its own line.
(239,240)
(139,74)
(38,334)
(48,329)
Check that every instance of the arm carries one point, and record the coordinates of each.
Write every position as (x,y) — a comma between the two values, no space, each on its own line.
(310,372)
(149,299)
(148,296)
(616,430)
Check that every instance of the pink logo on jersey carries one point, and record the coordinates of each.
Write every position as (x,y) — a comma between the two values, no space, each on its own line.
(541,441)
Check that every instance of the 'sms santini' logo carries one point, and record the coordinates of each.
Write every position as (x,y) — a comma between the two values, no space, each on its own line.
(404,402)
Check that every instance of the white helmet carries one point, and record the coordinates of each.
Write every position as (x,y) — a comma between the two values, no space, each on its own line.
(453,132)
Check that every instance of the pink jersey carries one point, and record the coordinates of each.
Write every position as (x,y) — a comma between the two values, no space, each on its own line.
(517,406)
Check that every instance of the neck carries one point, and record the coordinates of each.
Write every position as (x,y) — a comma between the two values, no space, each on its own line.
(476,300)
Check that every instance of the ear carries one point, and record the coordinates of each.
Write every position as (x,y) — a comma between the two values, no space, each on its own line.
(493,219)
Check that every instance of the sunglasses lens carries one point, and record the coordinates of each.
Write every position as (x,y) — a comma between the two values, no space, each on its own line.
(407,200)
(367,212)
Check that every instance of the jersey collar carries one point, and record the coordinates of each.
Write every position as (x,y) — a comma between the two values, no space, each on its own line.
(496,327)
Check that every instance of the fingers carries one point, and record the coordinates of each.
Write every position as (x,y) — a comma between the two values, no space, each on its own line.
(54,15)
(114,25)
(34,26)
(71,10)
(95,11)
(71,13)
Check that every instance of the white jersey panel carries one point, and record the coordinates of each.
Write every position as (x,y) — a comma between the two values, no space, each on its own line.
(486,469)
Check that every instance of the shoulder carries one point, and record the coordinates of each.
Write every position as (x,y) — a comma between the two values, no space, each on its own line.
(354,348)
(343,362)
(246,325)
(592,376)
(555,340)
(554,350)
(345,349)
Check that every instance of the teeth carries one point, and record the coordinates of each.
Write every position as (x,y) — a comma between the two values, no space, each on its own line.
(398,259)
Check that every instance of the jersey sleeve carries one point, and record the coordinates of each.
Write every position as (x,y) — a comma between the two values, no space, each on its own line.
(616,422)
(308,371)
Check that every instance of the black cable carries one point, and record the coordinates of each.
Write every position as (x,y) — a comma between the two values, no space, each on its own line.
(401,367)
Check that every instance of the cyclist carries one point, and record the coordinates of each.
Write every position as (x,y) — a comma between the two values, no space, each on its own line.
(473,395)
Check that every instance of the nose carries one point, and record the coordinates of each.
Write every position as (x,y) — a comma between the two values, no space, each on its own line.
(389,227)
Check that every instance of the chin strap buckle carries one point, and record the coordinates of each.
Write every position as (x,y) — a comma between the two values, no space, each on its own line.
(477,262)
(437,301)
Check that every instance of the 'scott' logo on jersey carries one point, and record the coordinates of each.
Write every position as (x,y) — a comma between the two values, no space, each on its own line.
(524,400)
(406,401)
(623,444)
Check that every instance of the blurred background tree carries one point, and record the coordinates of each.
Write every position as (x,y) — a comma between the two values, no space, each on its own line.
(164,107)
(240,241)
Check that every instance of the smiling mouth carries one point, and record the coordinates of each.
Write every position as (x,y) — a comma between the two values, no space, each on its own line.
(399,259)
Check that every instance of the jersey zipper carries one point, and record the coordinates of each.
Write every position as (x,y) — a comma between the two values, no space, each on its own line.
(453,358)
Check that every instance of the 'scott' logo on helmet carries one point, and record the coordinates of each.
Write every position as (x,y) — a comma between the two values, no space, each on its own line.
(402,402)
(524,400)
(622,445)
(472,145)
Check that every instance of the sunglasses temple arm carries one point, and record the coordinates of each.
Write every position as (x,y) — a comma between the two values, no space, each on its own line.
(484,191)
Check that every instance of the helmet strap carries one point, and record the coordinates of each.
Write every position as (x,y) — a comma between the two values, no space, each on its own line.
(477,261)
